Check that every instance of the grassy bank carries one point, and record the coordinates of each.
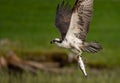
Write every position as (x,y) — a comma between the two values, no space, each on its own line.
(95,76)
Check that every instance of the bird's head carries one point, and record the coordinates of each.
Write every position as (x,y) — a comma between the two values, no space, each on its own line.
(56,41)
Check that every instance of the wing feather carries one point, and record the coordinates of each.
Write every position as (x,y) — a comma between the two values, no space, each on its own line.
(63,16)
(80,19)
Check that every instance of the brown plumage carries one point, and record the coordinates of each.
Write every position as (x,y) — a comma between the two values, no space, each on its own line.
(83,12)
(73,24)
(63,16)
(83,9)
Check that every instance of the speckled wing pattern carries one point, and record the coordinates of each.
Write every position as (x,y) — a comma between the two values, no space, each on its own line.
(80,19)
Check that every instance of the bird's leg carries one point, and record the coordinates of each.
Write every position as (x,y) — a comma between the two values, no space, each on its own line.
(81,64)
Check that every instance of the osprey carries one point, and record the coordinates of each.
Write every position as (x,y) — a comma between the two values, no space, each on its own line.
(73,24)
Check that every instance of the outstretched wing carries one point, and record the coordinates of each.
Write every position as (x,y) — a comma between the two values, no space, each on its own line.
(80,19)
(63,16)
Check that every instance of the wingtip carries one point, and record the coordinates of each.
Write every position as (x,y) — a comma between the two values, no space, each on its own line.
(62,3)
(58,6)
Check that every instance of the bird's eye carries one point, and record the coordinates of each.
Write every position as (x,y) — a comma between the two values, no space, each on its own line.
(54,40)
(51,42)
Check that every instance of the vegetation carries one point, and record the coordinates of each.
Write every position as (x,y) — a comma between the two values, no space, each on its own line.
(95,76)
(30,24)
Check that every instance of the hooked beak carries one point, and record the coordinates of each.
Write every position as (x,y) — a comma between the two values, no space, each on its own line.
(51,42)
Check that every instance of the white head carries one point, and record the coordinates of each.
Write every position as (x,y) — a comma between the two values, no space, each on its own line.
(60,43)
(56,40)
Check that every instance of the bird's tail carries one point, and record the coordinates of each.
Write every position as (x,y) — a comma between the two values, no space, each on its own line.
(91,47)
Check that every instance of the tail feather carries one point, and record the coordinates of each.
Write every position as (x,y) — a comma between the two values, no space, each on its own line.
(91,47)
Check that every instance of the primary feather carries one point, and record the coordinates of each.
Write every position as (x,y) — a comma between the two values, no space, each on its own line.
(63,16)
(80,20)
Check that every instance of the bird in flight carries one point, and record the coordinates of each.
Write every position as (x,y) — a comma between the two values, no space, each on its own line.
(73,25)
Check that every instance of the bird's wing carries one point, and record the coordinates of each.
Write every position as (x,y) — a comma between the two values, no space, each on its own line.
(80,19)
(63,16)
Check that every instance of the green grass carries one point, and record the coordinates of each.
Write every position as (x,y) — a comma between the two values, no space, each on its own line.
(31,24)
(95,76)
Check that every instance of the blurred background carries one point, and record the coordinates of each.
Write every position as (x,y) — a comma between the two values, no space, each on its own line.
(26,28)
